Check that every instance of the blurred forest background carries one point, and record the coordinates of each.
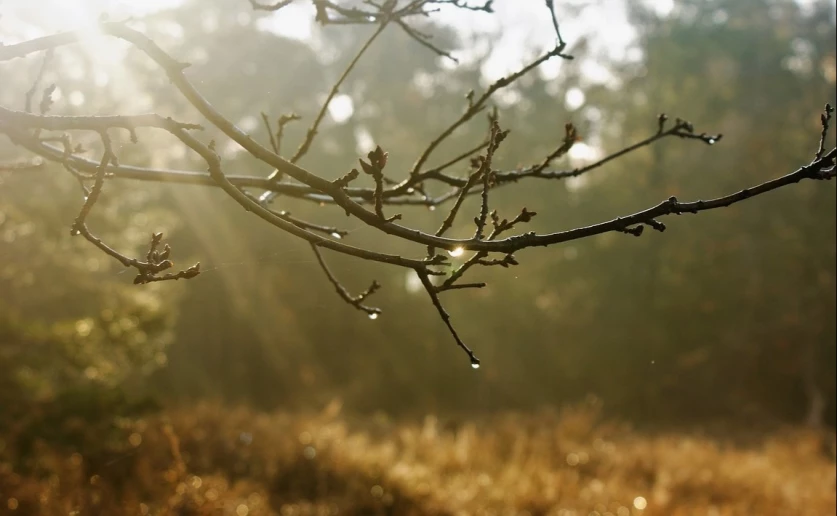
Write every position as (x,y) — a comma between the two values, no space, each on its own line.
(725,319)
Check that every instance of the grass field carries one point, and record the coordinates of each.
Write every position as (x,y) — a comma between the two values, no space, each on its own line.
(211,460)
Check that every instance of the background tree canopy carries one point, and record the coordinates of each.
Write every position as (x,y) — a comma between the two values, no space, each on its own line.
(725,315)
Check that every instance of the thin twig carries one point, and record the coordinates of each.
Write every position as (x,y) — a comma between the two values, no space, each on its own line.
(570,138)
(432,173)
(312,131)
(273,144)
(478,105)
(475,259)
(304,224)
(434,297)
(825,118)
(93,195)
(681,129)
(423,39)
(31,93)
(495,139)
(91,123)
(375,168)
(550,5)
(156,262)
(355,301)
(463,192)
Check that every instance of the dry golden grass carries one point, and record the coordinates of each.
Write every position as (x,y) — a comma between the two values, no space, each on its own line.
(209,460)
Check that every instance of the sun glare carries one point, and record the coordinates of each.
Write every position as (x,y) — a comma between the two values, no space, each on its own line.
(293,21)
(96,53)
(50,16)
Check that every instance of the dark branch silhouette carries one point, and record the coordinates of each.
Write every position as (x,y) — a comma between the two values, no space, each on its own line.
(48,136)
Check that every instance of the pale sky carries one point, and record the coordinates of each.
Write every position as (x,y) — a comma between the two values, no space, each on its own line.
(523,24)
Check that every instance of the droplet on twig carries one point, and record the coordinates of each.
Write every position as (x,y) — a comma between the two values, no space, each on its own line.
(456,251)
(373,316)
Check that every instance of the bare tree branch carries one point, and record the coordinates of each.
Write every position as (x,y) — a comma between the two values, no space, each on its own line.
(366,204)
(312,131)
(31,93)
(355,301)
(475,107)
(550,5)
(825,118)
(156,261)
(434,298)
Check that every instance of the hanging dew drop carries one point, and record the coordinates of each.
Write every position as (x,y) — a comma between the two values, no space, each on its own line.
(431,208)
(711,141)
(475,364)
(457,251)
(373,316)
(337,235)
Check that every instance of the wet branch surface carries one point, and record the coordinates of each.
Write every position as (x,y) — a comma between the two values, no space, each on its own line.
(50,137)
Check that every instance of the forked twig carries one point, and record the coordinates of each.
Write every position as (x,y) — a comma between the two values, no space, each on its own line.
(355,301)
(156,262)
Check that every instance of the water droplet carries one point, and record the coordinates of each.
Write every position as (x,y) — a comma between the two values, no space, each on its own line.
(411,190)
(711,141)
(337,235)
(75,232)
(431,208)
(475,363)
(456,251)
(373,316)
